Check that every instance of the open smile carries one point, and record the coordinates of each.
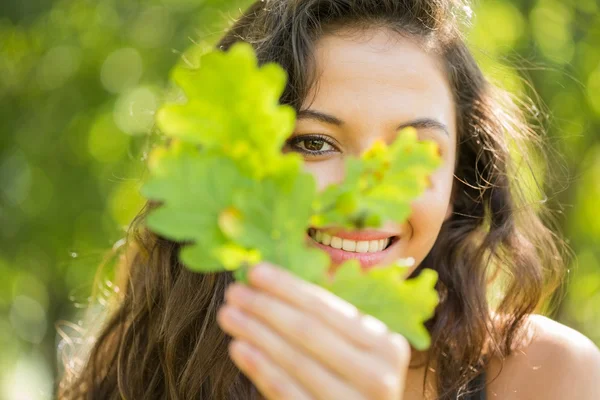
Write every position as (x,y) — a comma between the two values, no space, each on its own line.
(369,247)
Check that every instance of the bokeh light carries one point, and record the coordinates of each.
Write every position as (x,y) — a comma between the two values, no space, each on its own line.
(80,82)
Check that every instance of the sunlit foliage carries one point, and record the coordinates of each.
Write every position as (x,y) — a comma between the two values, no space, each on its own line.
(80,81)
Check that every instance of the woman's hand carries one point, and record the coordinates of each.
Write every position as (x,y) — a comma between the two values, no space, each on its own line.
(296,340)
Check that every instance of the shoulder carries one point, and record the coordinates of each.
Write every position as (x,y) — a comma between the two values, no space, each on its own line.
(556,362)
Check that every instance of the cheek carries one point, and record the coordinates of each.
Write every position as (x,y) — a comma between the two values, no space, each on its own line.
(326,172)
(428,214)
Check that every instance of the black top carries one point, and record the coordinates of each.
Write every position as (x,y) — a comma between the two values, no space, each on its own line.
(476,389)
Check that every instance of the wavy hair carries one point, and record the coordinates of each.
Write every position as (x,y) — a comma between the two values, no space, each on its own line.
(162,339)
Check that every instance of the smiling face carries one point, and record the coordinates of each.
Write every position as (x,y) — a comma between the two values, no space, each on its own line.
(368,86)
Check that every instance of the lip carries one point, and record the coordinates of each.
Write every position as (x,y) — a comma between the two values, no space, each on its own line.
(367,260)
(364,234)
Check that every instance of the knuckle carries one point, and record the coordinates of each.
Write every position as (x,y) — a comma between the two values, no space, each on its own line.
(399,350)
(265,377)
(277,389)
(254,330)
(256,302)
(252,365)
(373,325)
(303,328)
(299,364)
(373,330)
(318,303)
(322,300)
(384,386)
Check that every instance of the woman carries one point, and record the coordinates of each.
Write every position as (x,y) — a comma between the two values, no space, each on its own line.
(358,70)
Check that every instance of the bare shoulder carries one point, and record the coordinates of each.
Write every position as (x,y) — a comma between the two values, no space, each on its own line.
(556,362)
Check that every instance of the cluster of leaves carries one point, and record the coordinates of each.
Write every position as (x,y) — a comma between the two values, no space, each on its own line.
(226,187)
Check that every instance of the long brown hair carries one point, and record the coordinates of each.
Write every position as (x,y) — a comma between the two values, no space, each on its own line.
(162,340)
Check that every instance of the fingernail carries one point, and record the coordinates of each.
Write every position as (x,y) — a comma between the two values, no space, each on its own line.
(238,292)
(244,348)
(263,271)
(232,313)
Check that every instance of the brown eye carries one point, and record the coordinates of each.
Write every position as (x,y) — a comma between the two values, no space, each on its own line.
(314,144)
(310,145)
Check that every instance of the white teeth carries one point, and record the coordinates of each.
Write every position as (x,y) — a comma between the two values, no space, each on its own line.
(349,245)
(358,246)
(362,247)
(319,236)
(336,242)
(373,246)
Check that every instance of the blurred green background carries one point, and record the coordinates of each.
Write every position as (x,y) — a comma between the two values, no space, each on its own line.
(79,83)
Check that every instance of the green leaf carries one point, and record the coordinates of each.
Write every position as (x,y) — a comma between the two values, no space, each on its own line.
(194,197)
(404,305)
(240,117)
(230,218)
(229,193)
(380,185)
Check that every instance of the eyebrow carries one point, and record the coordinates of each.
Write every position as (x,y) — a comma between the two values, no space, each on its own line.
(419,123)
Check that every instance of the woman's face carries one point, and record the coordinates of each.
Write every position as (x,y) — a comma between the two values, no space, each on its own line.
(368,86)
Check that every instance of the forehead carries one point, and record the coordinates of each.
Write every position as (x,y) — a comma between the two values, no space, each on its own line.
(381,76)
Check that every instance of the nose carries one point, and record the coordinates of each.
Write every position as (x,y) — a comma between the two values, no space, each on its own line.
(366,142)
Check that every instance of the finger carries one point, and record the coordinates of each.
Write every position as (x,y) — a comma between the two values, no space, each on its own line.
(270,380)
(312,375)
(362,330)
(344,317)
(312,336)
